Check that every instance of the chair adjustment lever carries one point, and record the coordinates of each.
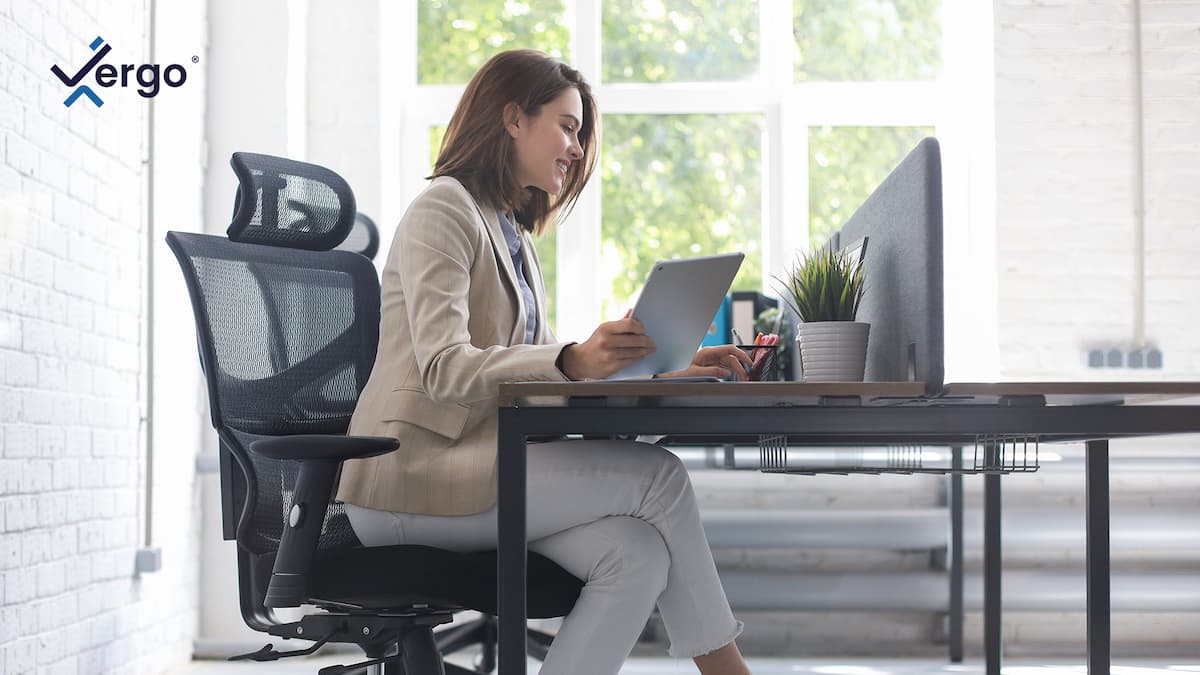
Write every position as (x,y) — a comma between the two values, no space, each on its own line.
(268,653)
(355,667)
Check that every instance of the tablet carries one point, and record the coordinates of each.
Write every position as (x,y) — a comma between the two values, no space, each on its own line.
(676,306)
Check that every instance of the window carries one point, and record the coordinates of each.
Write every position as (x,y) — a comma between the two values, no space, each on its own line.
(679,40)
(678,186)
(866,40)
(455,37)
(727,124)
(844,166)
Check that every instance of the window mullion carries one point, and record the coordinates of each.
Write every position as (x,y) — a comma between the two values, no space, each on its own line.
(578,295)
(967,132)
(884,104)
(585,39)
(685,98)
(778,154)
(397,42)
(792,232)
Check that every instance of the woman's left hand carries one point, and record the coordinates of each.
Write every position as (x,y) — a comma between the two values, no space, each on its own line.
(723,361)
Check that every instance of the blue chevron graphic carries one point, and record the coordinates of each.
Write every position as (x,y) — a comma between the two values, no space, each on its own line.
(84,90)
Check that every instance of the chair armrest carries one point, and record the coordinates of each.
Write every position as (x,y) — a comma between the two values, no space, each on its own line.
(323,447)
(320,457)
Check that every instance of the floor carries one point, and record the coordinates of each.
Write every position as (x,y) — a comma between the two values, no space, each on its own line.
(664,666)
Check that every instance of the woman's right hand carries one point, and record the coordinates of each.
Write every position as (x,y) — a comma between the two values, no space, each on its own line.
(613,345)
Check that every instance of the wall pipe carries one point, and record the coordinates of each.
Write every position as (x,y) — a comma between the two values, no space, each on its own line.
(152,563)
(1139,186)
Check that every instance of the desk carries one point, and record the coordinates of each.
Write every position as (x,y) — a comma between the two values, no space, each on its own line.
(838,413)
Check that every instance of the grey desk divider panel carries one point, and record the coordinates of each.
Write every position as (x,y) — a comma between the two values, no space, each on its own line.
(903,300)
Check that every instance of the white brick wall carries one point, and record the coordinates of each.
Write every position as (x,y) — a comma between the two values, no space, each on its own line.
(72,282)
(1065,153)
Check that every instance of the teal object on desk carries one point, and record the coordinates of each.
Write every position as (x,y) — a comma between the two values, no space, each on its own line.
(718,331)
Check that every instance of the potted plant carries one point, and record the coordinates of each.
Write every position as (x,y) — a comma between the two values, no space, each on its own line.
(824,289)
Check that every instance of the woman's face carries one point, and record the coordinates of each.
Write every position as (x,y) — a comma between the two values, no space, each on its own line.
(546,144)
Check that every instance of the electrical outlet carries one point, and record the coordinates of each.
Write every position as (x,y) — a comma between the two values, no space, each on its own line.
(1137,359)
(148,560)
(1154,358)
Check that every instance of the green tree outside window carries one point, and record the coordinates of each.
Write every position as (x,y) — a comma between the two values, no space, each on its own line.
(867,39)
(679,40)
(456,37)
(679,186)
(845,165)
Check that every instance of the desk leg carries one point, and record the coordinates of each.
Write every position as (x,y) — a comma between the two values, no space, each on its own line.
(511,550)
(991,572)
(956,558)
(1099,607)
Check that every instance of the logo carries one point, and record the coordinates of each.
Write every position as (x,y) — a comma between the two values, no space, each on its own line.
(148,76)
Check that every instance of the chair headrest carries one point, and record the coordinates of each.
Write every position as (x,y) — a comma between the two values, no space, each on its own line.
(283,202)
(363,238)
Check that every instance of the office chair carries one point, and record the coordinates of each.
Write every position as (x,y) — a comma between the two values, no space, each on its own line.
(363,237)
(287,331)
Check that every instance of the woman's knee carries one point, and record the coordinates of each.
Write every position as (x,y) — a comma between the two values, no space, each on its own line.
(659,461)
(637,551)
(671,480)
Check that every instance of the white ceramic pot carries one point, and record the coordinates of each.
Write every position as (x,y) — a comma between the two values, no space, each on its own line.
(832,351)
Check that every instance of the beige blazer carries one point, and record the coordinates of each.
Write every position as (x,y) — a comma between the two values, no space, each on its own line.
(451,330)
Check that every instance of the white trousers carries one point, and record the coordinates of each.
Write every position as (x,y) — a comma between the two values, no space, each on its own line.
(621,515)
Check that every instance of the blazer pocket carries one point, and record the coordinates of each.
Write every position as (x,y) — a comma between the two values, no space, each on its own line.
(414,407)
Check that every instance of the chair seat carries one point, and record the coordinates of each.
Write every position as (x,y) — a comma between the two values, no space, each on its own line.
(396,577)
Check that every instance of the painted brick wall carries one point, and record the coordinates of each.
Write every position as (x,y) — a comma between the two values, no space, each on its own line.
(1172,83)
(72,379)
(1066,169)
(1065,153)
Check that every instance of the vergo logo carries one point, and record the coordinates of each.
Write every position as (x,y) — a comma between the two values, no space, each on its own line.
(148,76)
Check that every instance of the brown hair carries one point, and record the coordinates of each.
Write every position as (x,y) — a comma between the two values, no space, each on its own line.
(477,149)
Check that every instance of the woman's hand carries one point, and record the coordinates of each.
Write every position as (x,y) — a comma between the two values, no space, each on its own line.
(613,345)
(723,361)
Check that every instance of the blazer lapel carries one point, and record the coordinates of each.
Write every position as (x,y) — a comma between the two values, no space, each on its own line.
(504,260)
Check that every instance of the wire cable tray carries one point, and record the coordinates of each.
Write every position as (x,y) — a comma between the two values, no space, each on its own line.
(992,454)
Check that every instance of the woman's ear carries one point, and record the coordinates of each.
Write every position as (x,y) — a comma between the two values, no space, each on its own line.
(512,119)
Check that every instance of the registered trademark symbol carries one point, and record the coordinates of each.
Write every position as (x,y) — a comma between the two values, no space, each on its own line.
(195,59)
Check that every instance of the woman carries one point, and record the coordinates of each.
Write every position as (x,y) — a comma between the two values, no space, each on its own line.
(463,309)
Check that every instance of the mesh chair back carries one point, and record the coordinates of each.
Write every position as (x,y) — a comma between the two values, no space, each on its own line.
(363,238)
(287,341)
(283,202)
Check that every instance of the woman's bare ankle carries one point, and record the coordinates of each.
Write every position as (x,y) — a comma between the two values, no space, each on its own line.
(726,660)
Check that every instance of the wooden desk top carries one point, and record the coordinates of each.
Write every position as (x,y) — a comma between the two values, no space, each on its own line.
(1081,393)
(701,393)
(641,392)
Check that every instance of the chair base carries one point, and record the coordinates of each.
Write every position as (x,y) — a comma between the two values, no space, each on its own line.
(399,645)
(416,652)
(483,632)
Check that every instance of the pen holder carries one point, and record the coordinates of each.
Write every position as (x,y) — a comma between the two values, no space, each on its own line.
(768,369)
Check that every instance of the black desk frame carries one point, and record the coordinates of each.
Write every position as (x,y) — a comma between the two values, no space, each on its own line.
(954,425)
